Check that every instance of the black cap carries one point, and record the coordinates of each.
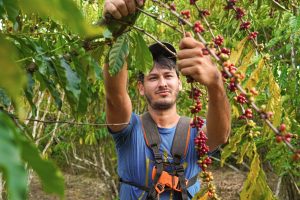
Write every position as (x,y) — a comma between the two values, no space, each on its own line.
(157,49)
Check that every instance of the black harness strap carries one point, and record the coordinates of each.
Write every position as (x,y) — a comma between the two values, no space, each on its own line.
(153,140)
(179,147)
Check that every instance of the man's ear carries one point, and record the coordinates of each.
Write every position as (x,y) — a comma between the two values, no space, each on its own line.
(179,85)
(141,88)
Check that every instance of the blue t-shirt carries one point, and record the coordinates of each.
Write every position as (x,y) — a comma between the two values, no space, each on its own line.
(135,159)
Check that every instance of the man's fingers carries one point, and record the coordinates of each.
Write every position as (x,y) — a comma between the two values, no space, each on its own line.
(131,7)
(189,53)
(190,71)
(113,10)
(121,6)
(188,62)
(189,43)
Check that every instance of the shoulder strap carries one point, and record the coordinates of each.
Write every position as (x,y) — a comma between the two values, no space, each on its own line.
(182,137)
(179,149)
(153,141)
(150,130)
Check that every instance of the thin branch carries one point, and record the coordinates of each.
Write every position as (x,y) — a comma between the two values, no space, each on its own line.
(160,20)
(278,187)
(72,123)
(54,130)
(228,165)
(146,33)
(205,20)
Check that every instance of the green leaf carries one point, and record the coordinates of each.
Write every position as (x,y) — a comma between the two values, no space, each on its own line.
(255,186)
(246,61)
(51,178)
(10,160)
(65,11)
(29,92)
(255,75)
(246,146)
(232,147)
(117,54)
(274,104)
(47,83)
(69,81)
(12,9)
(12,79)
(4,99)
(141,58)
(81,69)
(237,52)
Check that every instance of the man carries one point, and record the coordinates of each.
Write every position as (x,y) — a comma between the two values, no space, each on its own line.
(161,87)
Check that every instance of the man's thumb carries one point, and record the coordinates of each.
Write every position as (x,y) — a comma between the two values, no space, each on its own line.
(140,2)
(188,34)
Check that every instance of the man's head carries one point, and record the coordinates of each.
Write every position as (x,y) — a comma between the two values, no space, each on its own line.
(162,84)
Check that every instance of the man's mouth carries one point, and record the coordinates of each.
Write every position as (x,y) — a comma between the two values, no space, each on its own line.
(163,92)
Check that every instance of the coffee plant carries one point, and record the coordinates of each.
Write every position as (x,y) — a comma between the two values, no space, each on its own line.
(52,104)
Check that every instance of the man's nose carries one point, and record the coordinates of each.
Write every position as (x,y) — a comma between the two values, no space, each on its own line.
(162,82)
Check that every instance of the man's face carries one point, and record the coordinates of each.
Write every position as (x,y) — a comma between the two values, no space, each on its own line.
(161,87)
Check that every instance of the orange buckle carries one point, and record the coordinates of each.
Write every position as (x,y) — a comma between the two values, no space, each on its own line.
(166,180)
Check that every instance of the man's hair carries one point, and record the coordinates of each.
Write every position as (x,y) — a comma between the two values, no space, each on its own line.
(161,62)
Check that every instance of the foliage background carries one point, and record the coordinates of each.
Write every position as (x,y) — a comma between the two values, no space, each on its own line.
(50,72)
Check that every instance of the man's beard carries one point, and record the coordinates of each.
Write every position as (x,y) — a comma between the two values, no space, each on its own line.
(161,105)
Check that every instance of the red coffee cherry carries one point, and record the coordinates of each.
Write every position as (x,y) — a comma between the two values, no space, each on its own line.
(245,25)
(252,35)
(198,27)
(282,127)
(240,13)
(218,40)
(186,14)
(279,138)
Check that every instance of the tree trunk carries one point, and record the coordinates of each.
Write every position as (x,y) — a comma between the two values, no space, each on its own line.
(289,189)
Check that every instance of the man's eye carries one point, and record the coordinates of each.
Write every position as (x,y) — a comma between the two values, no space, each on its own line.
(169,76)
(152,78)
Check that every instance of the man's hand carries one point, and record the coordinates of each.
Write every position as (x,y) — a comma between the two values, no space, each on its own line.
(121,8)
(191,62)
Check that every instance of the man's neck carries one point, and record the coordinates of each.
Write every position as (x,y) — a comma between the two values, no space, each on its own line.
(164,118)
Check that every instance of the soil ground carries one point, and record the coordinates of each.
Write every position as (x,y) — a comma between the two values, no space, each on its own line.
(85,187)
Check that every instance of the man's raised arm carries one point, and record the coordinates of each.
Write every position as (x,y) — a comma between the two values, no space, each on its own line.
(118,103)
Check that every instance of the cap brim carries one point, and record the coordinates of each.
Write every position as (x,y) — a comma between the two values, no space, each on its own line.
(158,50)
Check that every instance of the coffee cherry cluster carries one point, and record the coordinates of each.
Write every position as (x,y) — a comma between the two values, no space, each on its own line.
(201,138)
(240,13)
(230,4)
(212,191)
(284,135)
(207,176)
(205,13)
(192,2)
(241,98)
(197,122)
(248,114)
(252,35)
(245,25)
(186,14)
(218,40)
(230,67)
(232,85)
(198,27)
